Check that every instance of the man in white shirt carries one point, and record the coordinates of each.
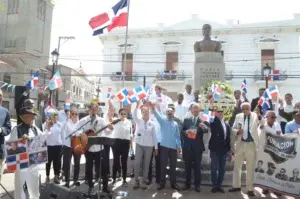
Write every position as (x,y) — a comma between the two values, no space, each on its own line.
(180,109)
(94,153)
(189,97)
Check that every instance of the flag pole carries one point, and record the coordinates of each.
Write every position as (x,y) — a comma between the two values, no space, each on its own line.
(125,49)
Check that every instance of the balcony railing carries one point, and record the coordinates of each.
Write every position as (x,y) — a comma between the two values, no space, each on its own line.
(279,76)
(170,75)
(119,76)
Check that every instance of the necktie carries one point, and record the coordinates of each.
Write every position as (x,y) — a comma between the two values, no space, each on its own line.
(194,121)
(246,129)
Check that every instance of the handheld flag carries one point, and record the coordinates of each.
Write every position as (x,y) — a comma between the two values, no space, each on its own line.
(34,81)
(68,104)
(244,86)
(109,93)
(264,101)
(55,82)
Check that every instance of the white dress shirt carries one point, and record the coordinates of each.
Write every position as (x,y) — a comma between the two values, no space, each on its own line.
(180,111)
(245,128)
(224,128)
(188,98)
(55,134)
(69,128)
(145,134)
(274,129)
(123,130)
(96,125)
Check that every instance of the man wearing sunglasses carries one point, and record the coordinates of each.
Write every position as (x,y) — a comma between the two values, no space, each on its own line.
(219,146)
(245,138)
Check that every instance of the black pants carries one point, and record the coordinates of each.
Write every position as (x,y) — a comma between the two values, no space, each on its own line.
(282,125)
(54,155)
(157,166)
(120,151)
(107,152)
(165,155)
(93,158)
(192,160)
(67,156)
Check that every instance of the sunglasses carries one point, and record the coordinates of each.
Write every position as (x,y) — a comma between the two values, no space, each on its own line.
(220,111)
(272,117)
(74,114)
(123,113)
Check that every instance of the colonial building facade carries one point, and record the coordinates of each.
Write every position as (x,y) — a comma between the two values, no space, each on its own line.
(166,54)
(25,28)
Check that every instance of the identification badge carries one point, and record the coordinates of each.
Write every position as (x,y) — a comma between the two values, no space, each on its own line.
(191,133)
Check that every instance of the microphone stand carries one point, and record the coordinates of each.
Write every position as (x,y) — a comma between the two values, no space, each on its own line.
(78,129)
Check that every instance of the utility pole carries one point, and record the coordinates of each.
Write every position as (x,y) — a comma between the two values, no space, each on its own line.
(144,81)
(98,90)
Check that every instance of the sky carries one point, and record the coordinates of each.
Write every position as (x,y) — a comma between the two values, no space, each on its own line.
(71,17)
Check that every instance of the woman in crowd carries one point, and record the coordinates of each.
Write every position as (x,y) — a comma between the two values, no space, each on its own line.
(123,142)
(54,145)
(145,140)
(69,128)
(108,118)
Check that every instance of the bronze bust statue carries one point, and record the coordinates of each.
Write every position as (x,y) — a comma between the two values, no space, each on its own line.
(207,44)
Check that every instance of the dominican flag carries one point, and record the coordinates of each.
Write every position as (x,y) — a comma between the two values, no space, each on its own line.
(272,92)
(14,162)
(109,93)
(207,116)
(55,82)
(244,86)
(216,91)
(116,17)
(68,104)
(264,101)
(275,75)
(132,96)
(123,97)
(140,92)
(34,81)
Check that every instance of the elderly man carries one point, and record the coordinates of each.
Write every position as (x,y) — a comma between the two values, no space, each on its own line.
(30,175)
(271,126)
(245,138)
(193,129)
(293,126)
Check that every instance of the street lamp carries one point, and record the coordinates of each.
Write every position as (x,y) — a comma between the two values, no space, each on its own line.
(55,55)
(267,72)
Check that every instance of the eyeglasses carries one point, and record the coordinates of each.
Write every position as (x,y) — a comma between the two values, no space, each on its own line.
(123,113)
(74,114)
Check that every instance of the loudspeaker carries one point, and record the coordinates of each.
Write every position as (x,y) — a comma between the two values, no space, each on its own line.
(19,90)
(53,191)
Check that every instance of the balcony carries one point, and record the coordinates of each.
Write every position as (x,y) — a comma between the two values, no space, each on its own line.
(119,76)
(276,75)
(170,75)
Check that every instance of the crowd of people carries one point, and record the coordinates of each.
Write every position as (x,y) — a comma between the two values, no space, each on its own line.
(156,129)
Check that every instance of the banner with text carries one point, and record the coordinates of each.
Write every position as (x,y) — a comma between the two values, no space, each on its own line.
(278,163)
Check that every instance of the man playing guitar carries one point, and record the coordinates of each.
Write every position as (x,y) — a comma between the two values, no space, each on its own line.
(94,153)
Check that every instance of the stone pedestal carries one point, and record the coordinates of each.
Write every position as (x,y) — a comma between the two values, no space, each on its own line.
(208,66)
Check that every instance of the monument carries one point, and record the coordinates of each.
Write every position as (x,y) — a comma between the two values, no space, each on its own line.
(209,64)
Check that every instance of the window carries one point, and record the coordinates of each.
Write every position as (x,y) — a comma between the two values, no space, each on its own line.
(268,57)
(13,7)
(7,78)
(172,61)
(129,65)
(41,10)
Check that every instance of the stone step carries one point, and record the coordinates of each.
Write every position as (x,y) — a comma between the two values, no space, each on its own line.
(206,177)
(206,166)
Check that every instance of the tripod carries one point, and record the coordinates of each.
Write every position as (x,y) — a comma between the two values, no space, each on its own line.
(7,193)
(100,141)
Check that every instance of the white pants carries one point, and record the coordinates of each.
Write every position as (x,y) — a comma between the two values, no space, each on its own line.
(31,177)
(244,151)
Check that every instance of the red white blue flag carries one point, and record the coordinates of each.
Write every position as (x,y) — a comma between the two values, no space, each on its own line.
(264,101)
(244,86)
(33,82)
(122,96)
(68,104)
(55,82)
(109,93)
(272,92)
(216,91)
(207,116)
(19,161)
(115,17)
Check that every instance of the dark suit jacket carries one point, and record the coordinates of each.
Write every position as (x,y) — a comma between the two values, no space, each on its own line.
(254,103)
(217,142)
(196,144)
(235,111)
